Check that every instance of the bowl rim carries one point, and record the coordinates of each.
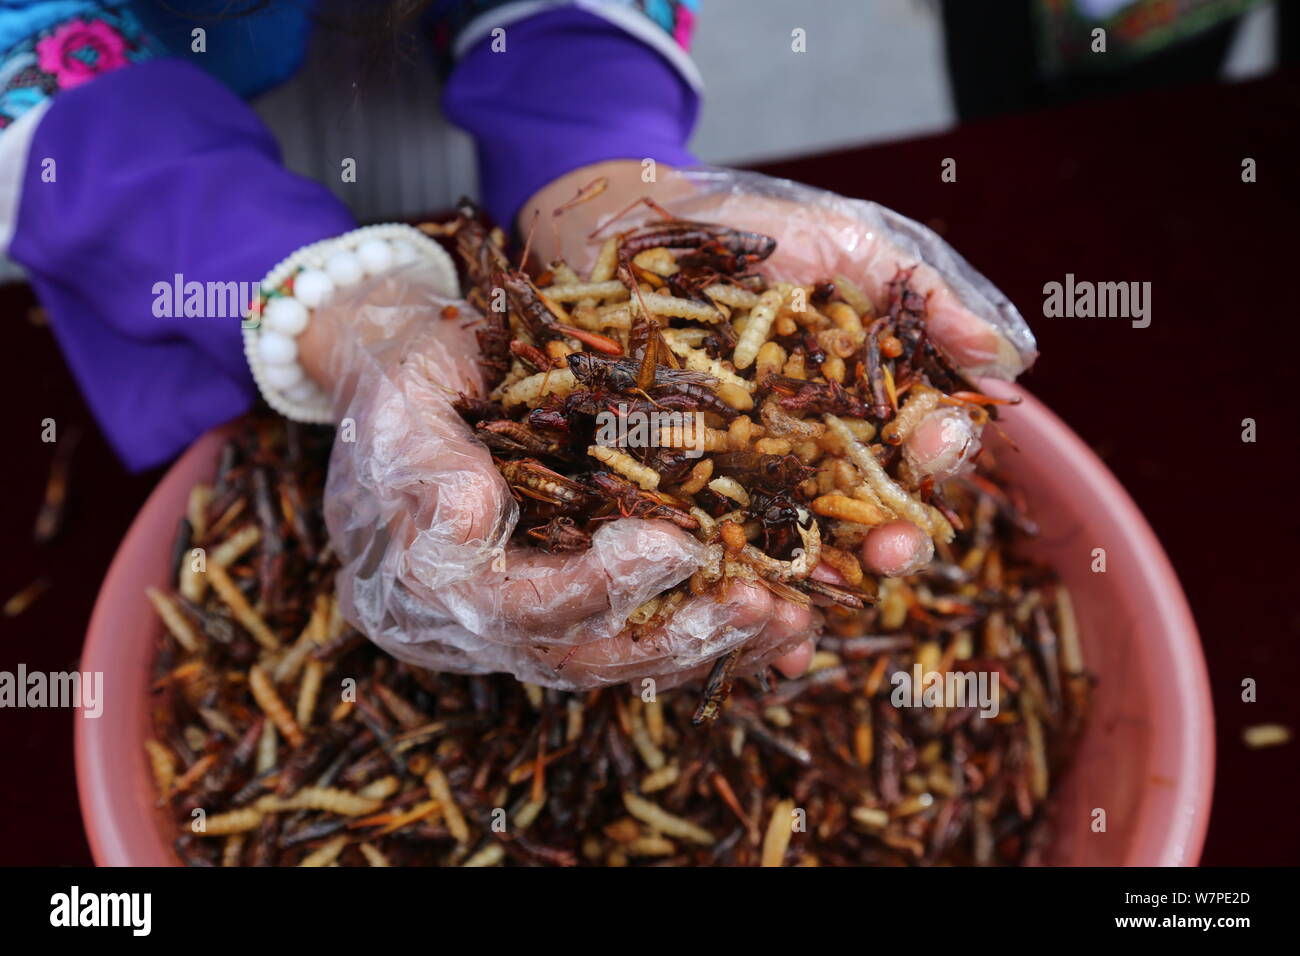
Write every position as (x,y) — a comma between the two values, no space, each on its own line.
(1164,838)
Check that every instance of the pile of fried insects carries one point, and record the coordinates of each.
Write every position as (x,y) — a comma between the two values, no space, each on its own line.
(778,412)
(305,745)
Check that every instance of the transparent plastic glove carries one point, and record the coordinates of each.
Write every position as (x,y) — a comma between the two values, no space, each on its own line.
(820,235)
(422,520)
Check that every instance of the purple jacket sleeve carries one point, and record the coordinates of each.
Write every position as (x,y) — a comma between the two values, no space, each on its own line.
(160,177)
(570,89)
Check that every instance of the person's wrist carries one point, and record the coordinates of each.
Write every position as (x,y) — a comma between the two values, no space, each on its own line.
(298,384)
(314,348)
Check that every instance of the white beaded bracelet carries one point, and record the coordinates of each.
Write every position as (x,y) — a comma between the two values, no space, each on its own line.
(304,281)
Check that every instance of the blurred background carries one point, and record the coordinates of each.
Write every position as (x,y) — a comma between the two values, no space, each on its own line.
(875,70)
(1128,169)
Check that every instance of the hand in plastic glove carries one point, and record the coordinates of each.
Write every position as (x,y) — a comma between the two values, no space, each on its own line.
(421,520)
(820,235)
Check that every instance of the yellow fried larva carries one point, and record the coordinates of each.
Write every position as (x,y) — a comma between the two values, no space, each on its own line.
(921,401)
(530,390)
(235,546)
(177,624)
(163,764)
(697,360)
(733,295)
(326,854)
(625,465)
(658,260)
(890,493)
(729,487)
(779,831)
(849,509)
(268,699)
(702,439)
(612,289)
(758,328)
(234,821)
(770,360)
(699,477)
(651,813)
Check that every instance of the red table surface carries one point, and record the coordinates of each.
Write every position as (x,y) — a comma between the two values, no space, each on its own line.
(1140,189)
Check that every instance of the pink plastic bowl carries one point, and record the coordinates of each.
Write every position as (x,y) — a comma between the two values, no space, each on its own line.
(1147,759)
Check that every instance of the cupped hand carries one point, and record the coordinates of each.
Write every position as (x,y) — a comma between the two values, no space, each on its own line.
(422,522)
(819,236)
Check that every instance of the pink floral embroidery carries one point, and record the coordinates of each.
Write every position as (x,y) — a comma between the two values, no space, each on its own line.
(684,28)
(80,50)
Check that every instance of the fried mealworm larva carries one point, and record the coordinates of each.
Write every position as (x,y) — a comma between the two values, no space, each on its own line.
(268,699)
(921,401)
(606,262)
(372,854)
(666,305)
(381,789)
(267,746)
(326,853)
(847,564)
(735,396)
(233,851)
(625,465)
(730,488)
(309,690)
(773,446)
(235,546)
(287,667)
(191,583)
(771,359)
(234,821)
(699,477)
(846,320)
(658,260)
(893,496)
(328,799)
(651,814)
(516,374)
(849,509)
(490,855)
(528,391)
(162,762)
(699,361)
(234,599)
(612,289)
(440,790)
(757,329)
(176,623)
(854,296)
(196,510)
(732,295)
(563,273)
(698,437)
(660,779)
(779,831)
(590,318)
